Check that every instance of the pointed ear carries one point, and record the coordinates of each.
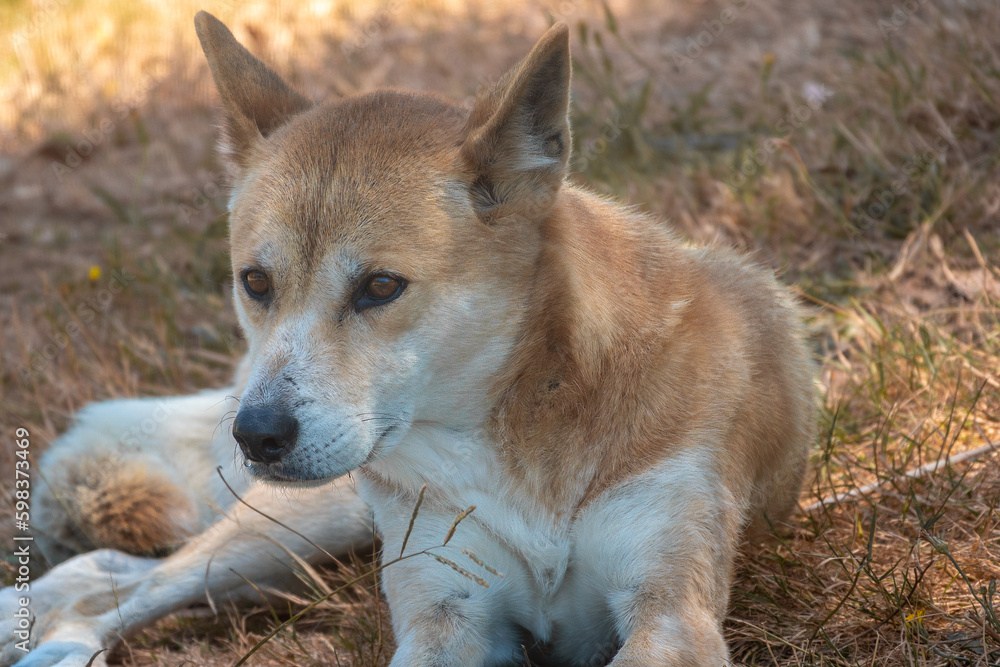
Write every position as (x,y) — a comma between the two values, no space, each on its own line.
(517,139)
(255,99)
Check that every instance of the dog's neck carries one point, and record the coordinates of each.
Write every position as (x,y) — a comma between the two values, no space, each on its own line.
(599,299)
(598,296)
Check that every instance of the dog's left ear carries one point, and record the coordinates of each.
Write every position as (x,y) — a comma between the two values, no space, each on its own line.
(517,139)
(256,100)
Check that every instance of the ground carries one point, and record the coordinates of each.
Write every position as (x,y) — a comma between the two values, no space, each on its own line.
(851,146)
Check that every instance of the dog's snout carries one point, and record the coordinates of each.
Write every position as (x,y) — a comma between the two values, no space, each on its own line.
(265,434)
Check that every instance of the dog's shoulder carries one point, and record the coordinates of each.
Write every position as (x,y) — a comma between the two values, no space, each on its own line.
(639,346)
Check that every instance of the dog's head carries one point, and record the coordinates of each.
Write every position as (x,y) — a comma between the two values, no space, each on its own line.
(384,249)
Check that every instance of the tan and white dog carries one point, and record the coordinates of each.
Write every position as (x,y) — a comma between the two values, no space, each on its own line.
(429,302)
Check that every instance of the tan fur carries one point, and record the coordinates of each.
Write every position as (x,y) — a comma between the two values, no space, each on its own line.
(137,511)
(109,501)
(674,343)
(620,350)
(620,405)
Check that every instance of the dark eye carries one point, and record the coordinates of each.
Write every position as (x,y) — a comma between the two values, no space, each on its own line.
(257,283)
(381,288)
(378,289)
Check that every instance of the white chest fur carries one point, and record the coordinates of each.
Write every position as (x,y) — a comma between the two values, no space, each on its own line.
(574,584)
(461,470)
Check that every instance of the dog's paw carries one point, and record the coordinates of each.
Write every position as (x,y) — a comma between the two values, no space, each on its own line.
(63,654)
(64,610)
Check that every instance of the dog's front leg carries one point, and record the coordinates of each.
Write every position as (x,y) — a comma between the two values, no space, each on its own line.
(658,553)
(678,637)
(57,607)
(441,616)
(94,600)
(443,619)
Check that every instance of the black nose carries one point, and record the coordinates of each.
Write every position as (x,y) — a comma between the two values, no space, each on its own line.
(265,434)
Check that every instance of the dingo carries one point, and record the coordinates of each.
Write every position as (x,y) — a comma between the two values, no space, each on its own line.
(429,302)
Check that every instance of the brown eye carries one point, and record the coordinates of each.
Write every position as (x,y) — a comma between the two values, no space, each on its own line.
(380,288)
(257,283)
(376,290)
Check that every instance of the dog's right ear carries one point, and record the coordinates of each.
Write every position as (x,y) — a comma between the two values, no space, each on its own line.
(255,99)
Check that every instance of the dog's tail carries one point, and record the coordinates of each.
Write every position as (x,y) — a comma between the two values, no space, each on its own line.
(131,505)
(132,475)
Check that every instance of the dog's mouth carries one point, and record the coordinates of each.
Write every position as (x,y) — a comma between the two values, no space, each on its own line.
(284,473)
(273,473)
(379,447)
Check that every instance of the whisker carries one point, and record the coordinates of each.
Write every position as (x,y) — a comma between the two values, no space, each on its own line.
(226,399)
(231,417)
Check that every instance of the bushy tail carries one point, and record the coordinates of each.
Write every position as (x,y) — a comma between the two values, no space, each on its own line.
(136,509)
(131,505)
(133,475)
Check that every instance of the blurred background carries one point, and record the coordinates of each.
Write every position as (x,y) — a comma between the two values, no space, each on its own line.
(851,146)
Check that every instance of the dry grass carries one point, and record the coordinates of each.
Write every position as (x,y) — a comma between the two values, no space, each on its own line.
(880,203)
